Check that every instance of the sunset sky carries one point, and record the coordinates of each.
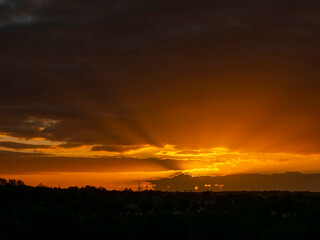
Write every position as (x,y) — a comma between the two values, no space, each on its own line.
(113,92)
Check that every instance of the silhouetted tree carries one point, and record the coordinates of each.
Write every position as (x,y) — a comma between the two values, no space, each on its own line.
(19,183)
(12,182)
(3,181)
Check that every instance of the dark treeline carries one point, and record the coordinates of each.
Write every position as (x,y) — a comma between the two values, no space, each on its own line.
(95,213)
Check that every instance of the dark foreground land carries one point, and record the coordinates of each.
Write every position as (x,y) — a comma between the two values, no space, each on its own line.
(90,213)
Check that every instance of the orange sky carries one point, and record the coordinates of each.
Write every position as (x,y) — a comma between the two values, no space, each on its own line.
(115,92)
(54,165)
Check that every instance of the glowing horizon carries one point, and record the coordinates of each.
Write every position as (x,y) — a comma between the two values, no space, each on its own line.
(196,162)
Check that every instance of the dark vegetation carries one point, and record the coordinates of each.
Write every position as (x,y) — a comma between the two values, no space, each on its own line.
(95,213)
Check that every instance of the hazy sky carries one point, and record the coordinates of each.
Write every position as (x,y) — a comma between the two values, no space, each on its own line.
(102,91)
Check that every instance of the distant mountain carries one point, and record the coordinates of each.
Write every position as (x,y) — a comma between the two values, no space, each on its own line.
(290,181)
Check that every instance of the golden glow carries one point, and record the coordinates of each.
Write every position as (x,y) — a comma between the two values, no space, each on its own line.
(35,141)
(196,162)
(116,180)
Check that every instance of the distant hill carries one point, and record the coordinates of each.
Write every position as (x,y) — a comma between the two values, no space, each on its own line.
(290,181)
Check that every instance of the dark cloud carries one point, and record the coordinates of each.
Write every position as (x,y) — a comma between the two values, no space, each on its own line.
(19,12)
(30,163)
(242,75)
(70,145)
(21,146)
